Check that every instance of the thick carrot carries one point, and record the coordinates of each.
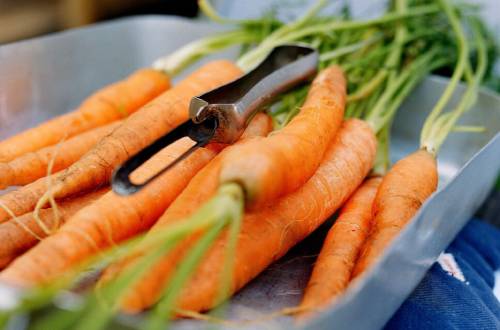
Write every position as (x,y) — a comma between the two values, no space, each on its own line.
(402,191)
(279,164)
(199,190)
(112,218)
(33,165)
(140,129)
(105,106)
(266,234)
(333,268)
(24,232)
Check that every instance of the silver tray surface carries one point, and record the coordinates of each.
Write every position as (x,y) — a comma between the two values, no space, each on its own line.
(47,76)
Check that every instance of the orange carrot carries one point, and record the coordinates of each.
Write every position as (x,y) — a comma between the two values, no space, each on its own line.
(107,105)
(140,129)
(267,233)
(16,201)
(333,268)
(109,220)
(18,235)
(279,164)
(199,190)
(33,165)
(112,218)
(402,191)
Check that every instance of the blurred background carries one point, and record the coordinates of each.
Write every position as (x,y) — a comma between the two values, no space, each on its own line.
(21,19)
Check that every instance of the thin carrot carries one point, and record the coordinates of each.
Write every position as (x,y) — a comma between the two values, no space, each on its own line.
(140,129)
(33,165)
(23,199)
(266,234)
(414,178)
(22,233)
(333,268)
(114,218)
(402,191)
(199,190)
(111,103)
(280,163)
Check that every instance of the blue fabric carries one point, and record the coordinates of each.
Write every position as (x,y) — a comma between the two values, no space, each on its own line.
(443,301)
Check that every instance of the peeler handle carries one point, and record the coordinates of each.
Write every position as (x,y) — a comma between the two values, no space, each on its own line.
(235,104)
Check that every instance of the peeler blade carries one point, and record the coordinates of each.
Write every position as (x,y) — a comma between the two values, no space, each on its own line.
(200,133)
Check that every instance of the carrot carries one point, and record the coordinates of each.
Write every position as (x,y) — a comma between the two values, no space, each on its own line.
(402,191)
(199,190)
(23,199)
(113,218)
(266,233)
(22,233)
(140,129)
(279,164)
(33,165)
(107,105)
(414,178)
(332,270)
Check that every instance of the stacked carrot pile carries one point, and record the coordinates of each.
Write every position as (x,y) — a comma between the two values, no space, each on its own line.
(203,230)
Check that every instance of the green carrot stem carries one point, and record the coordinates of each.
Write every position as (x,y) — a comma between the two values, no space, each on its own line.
(250,59)
(382,161)
(209,11)
(383,50)
(379,115)
(468,129)
(160,316)
(445,123)
(410,85)
(382,158)
(463,51)
(57,320)
(297,24)
(191,52)
(104,303)
(225,207)
(327,56)
(395,56)
(348,25)
(369,87)
(228,265)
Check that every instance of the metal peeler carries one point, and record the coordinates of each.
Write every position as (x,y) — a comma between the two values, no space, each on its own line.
(222,114)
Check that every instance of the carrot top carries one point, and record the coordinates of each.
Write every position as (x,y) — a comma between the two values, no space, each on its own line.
(438,123)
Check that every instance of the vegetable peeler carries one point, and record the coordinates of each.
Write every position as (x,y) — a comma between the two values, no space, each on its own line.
(221,115)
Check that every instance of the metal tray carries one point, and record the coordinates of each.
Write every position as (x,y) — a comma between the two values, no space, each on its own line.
(47,76)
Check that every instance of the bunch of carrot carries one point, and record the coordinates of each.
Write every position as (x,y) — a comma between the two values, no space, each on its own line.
(202,231)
